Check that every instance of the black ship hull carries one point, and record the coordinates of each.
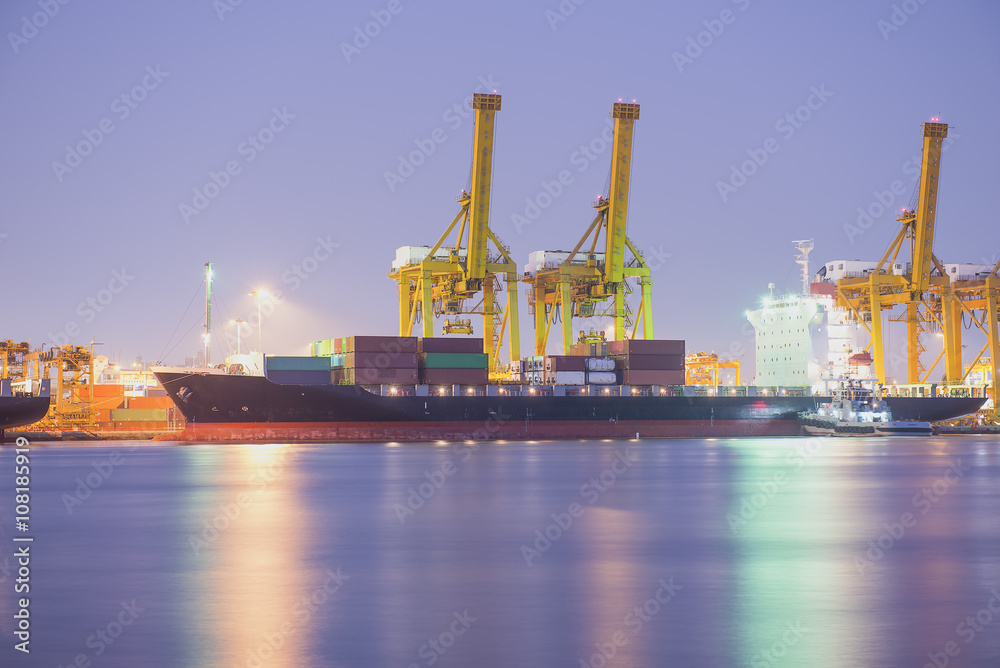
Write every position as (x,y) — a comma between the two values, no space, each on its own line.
(233,408)
(18,411)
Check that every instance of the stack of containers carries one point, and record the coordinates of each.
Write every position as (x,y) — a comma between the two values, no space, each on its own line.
(453,361)
(598,349)
(564,370)
(374,360)
(648,362)
(534,370)
(297,370)
(601,371)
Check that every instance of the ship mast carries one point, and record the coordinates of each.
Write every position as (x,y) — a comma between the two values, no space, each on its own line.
(804,247)
(208,314)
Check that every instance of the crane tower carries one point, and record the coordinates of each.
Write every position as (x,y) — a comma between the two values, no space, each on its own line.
(573,284)
(465,276)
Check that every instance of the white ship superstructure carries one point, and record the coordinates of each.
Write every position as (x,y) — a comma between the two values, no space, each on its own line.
(803,338)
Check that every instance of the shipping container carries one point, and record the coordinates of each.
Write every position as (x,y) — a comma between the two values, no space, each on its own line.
(156,392)
(566,377)
(600,364)
(137,426)
(390,376)
(454,376)
(450,345)
(454,360)
(556,363)
(378,344)
(381,360)
(602,377)
(276,363)
(109,390)
(139,415)
(599,349)
(651,362)
(149,402)
(108,403)
(646,347)
(298,377)
(653,378)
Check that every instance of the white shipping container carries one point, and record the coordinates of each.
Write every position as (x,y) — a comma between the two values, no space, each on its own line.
(600,364)
(568,377)
(602,378)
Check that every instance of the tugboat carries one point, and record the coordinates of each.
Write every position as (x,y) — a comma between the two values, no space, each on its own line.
(856,410)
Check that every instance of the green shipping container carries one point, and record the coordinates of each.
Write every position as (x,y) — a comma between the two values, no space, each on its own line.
(297,363)
(138,414)
(454,360)
(322,348)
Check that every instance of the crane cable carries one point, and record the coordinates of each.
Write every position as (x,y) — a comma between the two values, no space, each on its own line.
(184,315)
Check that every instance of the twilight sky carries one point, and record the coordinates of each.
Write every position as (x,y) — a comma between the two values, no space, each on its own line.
(280,142)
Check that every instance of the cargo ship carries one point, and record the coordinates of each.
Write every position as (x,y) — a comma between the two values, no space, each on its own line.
(18,409)
(377,389)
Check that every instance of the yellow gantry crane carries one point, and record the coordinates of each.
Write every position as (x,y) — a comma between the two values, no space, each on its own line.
(464,277)
(923,286)
(587,277)
(982,295)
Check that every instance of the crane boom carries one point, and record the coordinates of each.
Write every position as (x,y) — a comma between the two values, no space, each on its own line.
(625,115)
(923,233)
(485,105)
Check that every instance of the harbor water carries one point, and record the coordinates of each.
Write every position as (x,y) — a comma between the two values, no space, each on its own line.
(718,552)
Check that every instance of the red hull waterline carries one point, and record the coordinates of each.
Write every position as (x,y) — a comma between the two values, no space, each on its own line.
(463,431)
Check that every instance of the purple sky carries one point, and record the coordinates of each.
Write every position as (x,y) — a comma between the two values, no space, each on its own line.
(198,81)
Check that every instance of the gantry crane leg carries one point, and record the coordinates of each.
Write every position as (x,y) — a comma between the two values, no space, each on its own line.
(992,291)
(426,305)
(620,312)
(489,326)
(952,329)
(647,308)
(566,309)
(878,356)
(912,342)
(513,325)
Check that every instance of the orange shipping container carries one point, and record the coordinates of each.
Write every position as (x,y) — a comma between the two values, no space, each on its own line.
(150,402)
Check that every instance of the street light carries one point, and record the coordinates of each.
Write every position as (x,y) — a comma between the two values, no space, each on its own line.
(239,325)
(259,293)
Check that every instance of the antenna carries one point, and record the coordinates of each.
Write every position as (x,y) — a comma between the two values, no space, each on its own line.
(804,247)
